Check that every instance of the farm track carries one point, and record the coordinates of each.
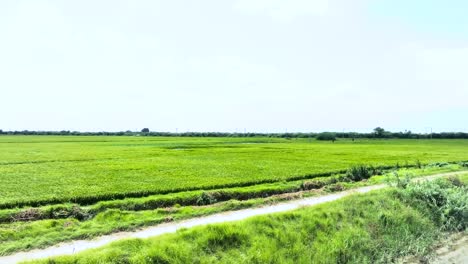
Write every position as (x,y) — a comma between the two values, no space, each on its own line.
(453,252)
(80,245)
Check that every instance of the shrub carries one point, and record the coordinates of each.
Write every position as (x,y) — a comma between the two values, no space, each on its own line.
(313,184)
(418,164)
(400,182)
(438,164)
(326,136)
(446,203)
(28,215)
(361,172)
(206,198)
(455,181)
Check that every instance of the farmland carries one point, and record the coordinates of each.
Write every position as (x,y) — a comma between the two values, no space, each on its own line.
(61,188)
(378,227)
(45,170)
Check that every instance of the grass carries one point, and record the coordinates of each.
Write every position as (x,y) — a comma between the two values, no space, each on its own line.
(378,227)
(69,210)
(39,170)
(50,225)
(18,236)
(58,188)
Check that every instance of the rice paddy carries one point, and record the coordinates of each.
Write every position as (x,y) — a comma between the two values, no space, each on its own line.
(61,188)
(55,169)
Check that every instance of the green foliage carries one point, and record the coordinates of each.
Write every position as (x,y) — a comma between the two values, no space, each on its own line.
(326,136)
(377,131)
(110,216)
(418,164)
(207,198)
(24,235)
(81,187)
(313,184)
(399,181)
(43,170)
(378,227)
(445,200)
(362,172)
(438,164)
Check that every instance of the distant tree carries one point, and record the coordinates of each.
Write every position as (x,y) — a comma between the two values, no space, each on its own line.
(327,136)
(376,133)
(379,132)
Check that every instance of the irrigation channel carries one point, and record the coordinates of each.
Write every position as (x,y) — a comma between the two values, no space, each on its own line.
(76,246)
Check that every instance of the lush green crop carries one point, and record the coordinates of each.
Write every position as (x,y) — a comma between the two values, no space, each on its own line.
(377,227)
(27,228)
(53,169)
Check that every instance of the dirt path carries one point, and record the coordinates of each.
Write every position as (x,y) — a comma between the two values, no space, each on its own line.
(453,253)
(80,245)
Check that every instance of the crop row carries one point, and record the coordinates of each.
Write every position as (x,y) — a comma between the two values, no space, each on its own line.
(203,197)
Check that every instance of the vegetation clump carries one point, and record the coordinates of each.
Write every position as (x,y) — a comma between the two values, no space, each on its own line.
(378,132)
(312,184)
(438,164)
(362,172)
(326,136)
(445,201)
(207,198)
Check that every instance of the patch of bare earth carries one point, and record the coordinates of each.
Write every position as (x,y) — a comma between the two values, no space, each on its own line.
(453,250)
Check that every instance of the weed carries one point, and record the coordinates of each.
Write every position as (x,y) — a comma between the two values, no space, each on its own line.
(207,198)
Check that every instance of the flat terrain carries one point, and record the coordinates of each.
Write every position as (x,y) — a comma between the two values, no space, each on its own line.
(381,226)
(62,168)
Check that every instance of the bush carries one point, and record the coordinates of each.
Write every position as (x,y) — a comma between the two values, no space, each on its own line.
(439,164)
(401,182)
(455,181)
(326,136)
(207,198)
(313,184)
(362,172)
(418,164)
(446,203)
(28,215)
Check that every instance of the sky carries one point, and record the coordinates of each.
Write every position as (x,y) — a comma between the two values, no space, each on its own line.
(253,65)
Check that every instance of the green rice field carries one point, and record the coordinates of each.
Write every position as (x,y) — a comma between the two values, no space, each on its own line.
(378,227)
(62,188)
(54,169)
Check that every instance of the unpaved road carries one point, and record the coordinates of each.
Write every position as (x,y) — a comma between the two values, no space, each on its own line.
(453,253)
(80,245)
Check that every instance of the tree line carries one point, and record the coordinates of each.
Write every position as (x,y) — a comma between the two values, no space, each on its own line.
(376,133)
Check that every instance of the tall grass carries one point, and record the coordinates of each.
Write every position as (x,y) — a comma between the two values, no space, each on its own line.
(28,227)
(378,227)
(445,201)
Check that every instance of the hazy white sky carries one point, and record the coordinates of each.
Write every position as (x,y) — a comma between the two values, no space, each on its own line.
(262,65)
